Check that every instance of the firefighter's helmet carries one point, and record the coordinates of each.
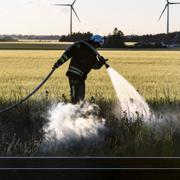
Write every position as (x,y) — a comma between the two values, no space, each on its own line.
(97,39)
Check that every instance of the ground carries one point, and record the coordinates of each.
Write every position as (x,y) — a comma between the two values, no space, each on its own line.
(154,73)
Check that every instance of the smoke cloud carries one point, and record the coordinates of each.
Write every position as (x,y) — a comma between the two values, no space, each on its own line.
(68,122)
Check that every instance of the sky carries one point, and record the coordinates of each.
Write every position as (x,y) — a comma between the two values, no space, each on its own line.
(40,17)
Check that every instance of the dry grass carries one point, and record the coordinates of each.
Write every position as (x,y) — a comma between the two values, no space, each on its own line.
(155,74)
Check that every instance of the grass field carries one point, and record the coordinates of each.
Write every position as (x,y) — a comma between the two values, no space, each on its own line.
(155,74)
(34,45)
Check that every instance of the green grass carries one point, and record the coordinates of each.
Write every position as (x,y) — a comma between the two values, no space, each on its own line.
(155,74)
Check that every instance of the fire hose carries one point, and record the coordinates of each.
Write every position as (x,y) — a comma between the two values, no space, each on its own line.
(41,84)
(29,95)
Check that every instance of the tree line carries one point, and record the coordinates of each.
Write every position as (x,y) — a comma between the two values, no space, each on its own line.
(116,39)
(170,38)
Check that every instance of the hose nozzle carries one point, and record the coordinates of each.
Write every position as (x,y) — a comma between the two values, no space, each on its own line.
(107,65)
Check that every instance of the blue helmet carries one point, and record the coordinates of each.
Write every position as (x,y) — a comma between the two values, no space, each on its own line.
(97,39)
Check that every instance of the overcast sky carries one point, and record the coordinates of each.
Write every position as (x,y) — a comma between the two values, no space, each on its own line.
(98,16)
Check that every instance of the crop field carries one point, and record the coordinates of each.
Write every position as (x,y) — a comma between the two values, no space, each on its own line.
(155,74)
(34,45)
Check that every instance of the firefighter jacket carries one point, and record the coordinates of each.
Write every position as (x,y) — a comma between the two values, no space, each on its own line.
(83,59)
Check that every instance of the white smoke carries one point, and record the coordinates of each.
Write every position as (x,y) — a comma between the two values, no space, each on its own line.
(132,104)
(72,122)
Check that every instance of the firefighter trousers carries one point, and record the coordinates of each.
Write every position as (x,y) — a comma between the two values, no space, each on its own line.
(77,90)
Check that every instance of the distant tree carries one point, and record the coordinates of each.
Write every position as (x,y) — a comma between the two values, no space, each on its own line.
(8,39)
(170,38)
(116,40)
(117,32)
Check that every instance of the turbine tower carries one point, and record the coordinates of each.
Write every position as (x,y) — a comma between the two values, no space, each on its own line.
(71,10)
(167,7)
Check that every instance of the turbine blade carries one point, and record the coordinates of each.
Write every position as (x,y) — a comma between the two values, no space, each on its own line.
(163,11)
(175,3)
(76,14)
(61,4)
(73,2)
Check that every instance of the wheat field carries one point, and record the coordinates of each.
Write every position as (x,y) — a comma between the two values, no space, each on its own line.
(155,74)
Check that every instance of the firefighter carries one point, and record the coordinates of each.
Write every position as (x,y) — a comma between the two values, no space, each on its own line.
(84,57)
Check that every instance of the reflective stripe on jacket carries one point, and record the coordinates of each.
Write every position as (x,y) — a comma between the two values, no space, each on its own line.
(83,59)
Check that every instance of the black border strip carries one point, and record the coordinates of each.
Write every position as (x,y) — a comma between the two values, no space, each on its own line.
(89,168)
(89,163)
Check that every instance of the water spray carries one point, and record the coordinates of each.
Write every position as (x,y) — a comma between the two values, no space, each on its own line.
(132,104)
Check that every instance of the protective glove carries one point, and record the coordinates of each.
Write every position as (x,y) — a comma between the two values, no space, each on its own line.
(102,59)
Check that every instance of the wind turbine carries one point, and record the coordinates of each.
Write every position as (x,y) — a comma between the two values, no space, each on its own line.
(167,6)
(71,10)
